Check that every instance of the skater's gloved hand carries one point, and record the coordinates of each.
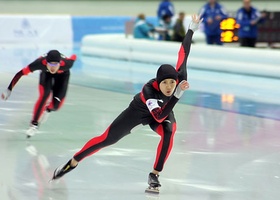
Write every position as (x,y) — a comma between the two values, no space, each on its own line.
(183,85)
(5,95)
(196,21)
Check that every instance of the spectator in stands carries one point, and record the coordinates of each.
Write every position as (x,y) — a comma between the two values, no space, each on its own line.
(142,29)
(166,7)
(213,13)
(179,30)
(248,18)
(165,28)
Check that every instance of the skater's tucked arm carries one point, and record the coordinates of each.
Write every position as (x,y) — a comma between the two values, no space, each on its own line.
(160,113)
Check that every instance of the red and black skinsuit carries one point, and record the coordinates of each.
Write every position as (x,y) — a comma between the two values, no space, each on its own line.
(149,106)
(56,83)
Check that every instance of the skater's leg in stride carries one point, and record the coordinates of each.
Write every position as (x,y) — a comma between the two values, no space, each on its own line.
(119,128)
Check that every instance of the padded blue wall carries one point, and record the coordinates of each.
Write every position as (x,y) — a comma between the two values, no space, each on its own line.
(83,25)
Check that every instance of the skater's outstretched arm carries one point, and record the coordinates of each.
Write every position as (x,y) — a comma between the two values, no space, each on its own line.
(25,71)
(184,51)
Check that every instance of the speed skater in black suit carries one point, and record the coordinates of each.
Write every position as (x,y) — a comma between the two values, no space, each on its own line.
(152,106)
(53,84)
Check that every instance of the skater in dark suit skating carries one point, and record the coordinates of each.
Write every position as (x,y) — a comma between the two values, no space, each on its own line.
(152,106)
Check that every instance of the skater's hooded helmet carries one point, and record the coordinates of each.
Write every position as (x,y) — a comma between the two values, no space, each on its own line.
(166,71)
(53,56)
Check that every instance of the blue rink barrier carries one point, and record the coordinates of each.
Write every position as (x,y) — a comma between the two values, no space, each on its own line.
(84,25)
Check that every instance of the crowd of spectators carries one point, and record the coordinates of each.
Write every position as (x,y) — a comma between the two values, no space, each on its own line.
(170,26)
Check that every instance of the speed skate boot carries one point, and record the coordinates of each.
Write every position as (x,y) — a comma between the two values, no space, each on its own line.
(33,129)
(154,183)
(63,169)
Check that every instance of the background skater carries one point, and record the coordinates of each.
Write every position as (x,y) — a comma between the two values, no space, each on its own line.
(53,83)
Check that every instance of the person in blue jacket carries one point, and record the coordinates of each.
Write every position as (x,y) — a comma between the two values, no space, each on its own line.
(165,8)
(213,13)
(248,18)
(142,29)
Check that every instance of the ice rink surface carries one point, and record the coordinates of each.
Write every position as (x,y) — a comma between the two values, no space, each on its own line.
(226,147)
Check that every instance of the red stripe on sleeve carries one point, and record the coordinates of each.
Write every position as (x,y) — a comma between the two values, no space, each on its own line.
(26,70)
(181,57)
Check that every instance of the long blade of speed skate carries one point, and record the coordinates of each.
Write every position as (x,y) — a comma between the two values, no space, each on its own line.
(152,190)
